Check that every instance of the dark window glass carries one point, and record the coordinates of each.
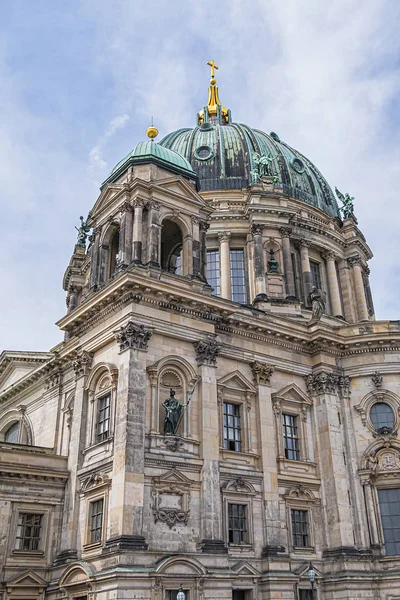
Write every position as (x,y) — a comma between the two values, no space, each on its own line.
(103,424)
(389,504)
(315,274)
(300,528)
(12,434)
(238,594)
(96,521)
(172,594)
(114,248)
(290,439)
(232,427)
(237,524)
(381,415)
(213,271)
(305,595)
(28,531)
(238,276)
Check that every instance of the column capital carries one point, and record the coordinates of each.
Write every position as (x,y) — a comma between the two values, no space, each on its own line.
(257,229)
(327,383)
(224,236)
(366,270)
(262,372)
(303,244)
(329,255)
(195,220)
(139,202)
(125,207)
(82,364)
(153,205)
(133,335)
(207,351)
(285,231)
(204,225)
(354,261)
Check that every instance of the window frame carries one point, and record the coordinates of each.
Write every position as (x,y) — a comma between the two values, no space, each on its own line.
(292,437)
(318,271)
(218,271)
(306,506)
(95,397)
(378,488)
(245,274)
(239,416)
(301,408)
(102,436)
(27,508)
(306,512)
(24,525)
(243,497)
(245,518)
(92,495)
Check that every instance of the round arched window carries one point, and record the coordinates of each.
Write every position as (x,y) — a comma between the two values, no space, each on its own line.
(381,415)
(12,434)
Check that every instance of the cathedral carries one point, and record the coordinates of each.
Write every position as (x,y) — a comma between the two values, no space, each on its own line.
(221,420)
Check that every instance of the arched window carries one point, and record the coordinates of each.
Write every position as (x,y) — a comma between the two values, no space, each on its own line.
(171,247)
(381,415)
(12,434)
(113,253)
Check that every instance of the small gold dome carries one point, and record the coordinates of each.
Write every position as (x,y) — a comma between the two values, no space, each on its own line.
(152,132)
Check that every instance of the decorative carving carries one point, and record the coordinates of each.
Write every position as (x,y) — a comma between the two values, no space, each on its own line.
(204,225)
(94,480)
(171,498)
(329,255)
(224,236)
(53,381)
(125,207)
(153,375)
(133,335)
(304,244)
(262,372)
(195,220)
(276,407)
(82,364)
(354,261)
(139,202)
(207,351)
(153,205)
(174,444)
(385,433)
(300,492)
(377,379)
(285,232)
(256,229)
(322,383)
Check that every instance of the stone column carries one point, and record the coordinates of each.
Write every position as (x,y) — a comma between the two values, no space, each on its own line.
(212,542)
(369,502)
(305,268)
(127,492)
(94,259)
(138,204)
(268,445)
(361,302)
(225,262)
(368,294)
(69,545)
(125,236)
(324,387)
(333,283)
(196,253)
(259,264)
(287,262)
(73,292)
(153,258)
(203,249)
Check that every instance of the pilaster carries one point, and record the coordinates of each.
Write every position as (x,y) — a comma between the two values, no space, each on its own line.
(225,258)
(259,263)
(287,262)
(356,265)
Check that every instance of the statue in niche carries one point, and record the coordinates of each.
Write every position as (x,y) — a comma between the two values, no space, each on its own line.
(173,412)
(273,265)
(83,231)
(317,300)
(347,207)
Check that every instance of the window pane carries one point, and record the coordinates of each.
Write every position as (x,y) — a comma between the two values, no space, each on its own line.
(213,272)
(300,528)
(237,523)
(315,274)
(290,438)
(238,276)
(389,503)
(381,415)
(28,531)
(96,520)
(103,424)
(12,434)
(232,436)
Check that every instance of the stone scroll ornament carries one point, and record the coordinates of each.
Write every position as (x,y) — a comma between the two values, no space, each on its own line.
(174,411)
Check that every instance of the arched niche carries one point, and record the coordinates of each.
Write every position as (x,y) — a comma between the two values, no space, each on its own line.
(109,249)
(19,422)
(176,373)
(76,580)
(180,565)
(176,239)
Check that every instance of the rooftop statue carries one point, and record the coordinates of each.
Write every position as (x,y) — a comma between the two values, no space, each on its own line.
(83,232)
(317,300)
(347,207)
(262,166)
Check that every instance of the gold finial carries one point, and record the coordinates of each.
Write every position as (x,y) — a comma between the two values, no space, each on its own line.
(152,132)
(213,66)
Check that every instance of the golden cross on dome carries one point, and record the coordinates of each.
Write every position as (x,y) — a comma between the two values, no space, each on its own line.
(213,66)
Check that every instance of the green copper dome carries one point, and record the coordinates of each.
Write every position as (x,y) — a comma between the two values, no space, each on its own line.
(150,151)
(226,157)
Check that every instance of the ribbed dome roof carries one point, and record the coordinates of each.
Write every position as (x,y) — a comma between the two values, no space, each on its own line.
(224,155)
(150,151)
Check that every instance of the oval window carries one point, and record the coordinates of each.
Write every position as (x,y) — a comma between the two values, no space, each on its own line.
(297,165)
(203,153)
(381,415)
(206,126)
(275,136)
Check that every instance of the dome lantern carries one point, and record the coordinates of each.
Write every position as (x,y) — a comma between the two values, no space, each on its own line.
(213,112)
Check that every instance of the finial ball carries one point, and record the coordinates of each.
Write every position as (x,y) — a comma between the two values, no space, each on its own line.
(152,132)
(213,81)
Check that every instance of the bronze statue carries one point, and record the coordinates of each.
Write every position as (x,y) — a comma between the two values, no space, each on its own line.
(83,231)
(316,299)
(262,166)
(173,410)
(347,207)
(273,265)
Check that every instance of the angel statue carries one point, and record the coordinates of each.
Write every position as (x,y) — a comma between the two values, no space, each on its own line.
(262,166)
(317,300)
(83,231)
(347,207)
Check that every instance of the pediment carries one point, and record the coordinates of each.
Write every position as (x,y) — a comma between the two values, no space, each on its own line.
(107,194)
(28,579)
(178,185)
(292,393)
(236,381)
(15,365)
(173,476)
(244,568)
(303,570)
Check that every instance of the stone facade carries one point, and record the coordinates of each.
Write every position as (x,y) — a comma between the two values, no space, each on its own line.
(123,511)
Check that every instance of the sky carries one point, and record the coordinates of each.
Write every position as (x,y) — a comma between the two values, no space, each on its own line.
(80,81)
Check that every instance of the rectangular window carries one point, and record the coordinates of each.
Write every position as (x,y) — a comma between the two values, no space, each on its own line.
(237,524)
(238,276)
(96,520)
(232,439)
(300,528)
(213,271)
(315,274)
(29,529)
(389,504)
(172,594)
(103,425)
(305,595)
(239,595)
(290,438)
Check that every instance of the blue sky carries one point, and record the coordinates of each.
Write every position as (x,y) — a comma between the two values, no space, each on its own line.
(79,82)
